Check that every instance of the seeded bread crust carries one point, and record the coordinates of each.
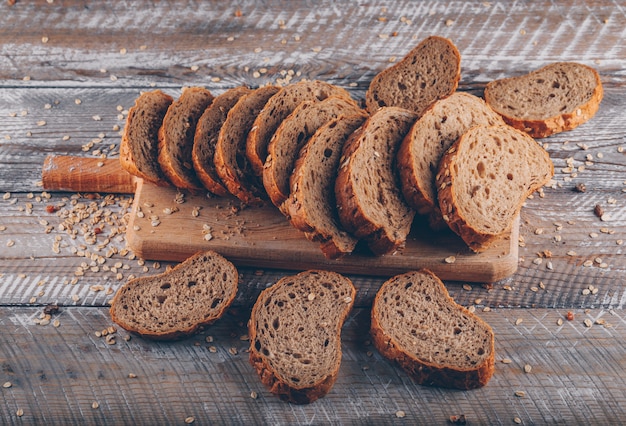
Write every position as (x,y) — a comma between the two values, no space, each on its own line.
(205,139)
(407,309)
(552,99)
(429,72)
(231,163)
(139,148)
(311,206)
(290,137)
(431,135)
(295,334)
(176,137)
(480,198)
(369,199)
(277,109)
(176,303)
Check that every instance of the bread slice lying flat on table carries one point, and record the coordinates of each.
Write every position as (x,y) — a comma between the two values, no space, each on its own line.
(205,138)
(231,163)
(295,334)
(431,135)
(277,109)
(290,137)
(369,199)
(429,72)
(311,206)
(436,341)
(139,148)
(178,302)
(176,137)
(552,99)
(485,178)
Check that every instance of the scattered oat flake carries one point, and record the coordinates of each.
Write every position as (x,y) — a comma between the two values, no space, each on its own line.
(450,259)
(400,414)
(588,323)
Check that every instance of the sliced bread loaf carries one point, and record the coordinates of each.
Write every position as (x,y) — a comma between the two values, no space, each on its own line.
(295,334)
(176,137)
(485,177)
(553,99)
(430,71)
(436,341)
(431,135)
(277,109)
(231,163)
(139,148)
(205,139)
(369,198)
(311,205)
(291,135)
(178,302)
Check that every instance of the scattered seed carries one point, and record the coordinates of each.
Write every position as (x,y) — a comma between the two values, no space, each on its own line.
(7,385)
(520,394)
(189,420)
(518,321)
(95,405)
(19,412)
(559,321)
(517,420)
(450,259)
(528,368)
(400,414)
(588,323)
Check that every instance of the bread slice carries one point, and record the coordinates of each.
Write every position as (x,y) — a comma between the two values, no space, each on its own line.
(552,99)
(485,177)
(176,303)
(205,139)
(231,163)
(436,341)
(139,148)
(311,205)
(295,334)
(291,136)
(431,135)
(277,109)
(176,137)
(429,72)
(369,198)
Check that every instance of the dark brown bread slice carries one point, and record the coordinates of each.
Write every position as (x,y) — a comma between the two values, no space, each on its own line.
(178,302)
(205,139)
(311,206)
(553,99)
(231,163)
(295,334)
(176,137)
(369,198)
(290,137)
(436,341)
(485,177)
(431,135)
(429,72)
(139,148)
(277,109)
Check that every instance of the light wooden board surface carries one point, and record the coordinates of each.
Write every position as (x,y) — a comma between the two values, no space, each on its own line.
(68,72)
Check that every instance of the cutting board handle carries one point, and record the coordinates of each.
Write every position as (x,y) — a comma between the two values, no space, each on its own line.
(82,174)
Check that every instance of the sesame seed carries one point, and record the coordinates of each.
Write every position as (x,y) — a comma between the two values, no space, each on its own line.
(527,368)
(520,394)
(189,420)
(7,385)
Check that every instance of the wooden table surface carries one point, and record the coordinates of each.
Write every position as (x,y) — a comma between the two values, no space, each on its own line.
(69,71)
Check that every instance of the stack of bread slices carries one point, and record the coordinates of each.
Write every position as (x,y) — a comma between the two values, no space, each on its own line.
(342,172)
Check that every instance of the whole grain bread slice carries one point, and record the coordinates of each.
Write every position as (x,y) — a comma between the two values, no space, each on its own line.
(369,199)
(139,147)
(484,179)
(311,205)
(290,137)
(436,341)
(429,72)
(231,163)
(277,109)
(558,97)
(176,303)
(176,137)
(295,334)
(431,135)
(205,138)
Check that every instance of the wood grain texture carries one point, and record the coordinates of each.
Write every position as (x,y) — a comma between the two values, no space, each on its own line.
(69,71)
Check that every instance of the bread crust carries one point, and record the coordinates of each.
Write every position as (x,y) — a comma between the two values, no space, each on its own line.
(548,126)
(270,378)
(425,372)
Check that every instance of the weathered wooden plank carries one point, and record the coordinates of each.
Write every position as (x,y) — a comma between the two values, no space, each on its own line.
(58,373)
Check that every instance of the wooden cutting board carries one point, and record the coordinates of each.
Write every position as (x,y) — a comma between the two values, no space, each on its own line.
(170,225)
